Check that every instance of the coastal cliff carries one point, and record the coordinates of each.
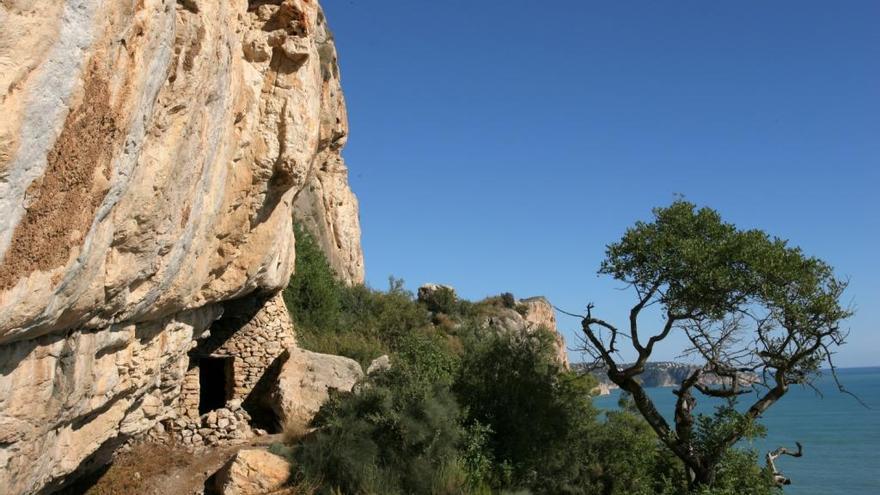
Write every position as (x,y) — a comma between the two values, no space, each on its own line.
(152,154)
(662,374)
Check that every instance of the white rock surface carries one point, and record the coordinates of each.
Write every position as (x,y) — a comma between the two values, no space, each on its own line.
(151,153)
(305,381)
(381,363)
(539,313)
(252,472)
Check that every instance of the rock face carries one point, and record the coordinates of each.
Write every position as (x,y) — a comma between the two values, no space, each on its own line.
(252,472)
(665,374)
(329,210)
(540,313)
(305,381)
(151,153)
(534,313)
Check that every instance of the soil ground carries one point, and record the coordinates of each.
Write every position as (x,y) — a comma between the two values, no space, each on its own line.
(152,469)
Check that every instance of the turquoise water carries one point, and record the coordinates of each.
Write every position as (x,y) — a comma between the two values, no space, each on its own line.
(841,438)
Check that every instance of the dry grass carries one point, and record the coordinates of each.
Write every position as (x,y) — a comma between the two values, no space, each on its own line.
(294,431)
(132,471)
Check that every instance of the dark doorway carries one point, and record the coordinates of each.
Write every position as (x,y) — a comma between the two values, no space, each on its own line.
(215,383)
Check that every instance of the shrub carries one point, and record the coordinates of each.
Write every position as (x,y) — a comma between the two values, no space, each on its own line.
(313,294)
(507,300)
(440,300)
(397,434)
(540,416)
(356,322)
(351,344)
(388,316)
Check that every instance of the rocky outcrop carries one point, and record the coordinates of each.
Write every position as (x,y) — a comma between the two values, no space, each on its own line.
(540,313)
(151,153)
(329,210)
(528,315)
(380,364)
(252,472)
(664,374)
(65,398)
(305,382)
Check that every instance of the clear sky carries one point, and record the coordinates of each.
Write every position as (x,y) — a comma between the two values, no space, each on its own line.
(500,145)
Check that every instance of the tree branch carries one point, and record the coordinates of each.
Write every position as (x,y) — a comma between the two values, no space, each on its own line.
(778,478)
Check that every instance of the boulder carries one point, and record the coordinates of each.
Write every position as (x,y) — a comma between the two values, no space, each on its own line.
(305,381)
(252,472)
(381,363)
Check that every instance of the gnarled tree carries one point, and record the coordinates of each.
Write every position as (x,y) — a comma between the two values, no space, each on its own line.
(758,314)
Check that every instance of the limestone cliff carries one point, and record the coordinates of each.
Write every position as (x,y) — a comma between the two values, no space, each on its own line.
(663,374)
(151,153)
(537,312)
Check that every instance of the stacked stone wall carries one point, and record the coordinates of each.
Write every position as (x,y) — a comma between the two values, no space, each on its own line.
(253,332)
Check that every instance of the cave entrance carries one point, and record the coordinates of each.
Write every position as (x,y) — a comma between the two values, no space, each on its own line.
(215,383)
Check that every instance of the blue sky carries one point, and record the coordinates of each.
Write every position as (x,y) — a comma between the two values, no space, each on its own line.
(500,145)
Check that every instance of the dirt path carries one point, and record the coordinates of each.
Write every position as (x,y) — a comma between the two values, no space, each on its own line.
(162,470)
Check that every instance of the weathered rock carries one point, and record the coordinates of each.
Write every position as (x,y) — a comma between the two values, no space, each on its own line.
(252,472)
(329,210)
(666,374)
(536,312)
(428,292)
(381,363)
(305,381)
(540,313)
(62,397)
(151,154)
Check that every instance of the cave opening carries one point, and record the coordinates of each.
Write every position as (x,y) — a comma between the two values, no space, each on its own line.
(215,383)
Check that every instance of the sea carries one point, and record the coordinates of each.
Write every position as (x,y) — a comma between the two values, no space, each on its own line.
(840,436)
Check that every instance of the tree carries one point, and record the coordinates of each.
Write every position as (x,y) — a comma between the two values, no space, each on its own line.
(539,416)
(750,306)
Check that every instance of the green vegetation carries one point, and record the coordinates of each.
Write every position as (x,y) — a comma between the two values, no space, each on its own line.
(356,322)
(466,410)
(746,302)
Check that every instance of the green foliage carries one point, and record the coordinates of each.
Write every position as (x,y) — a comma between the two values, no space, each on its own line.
(467,411)
(738,473)
(708,267)
(441,300)
(631,456)
(398,434)
(312,296)
(475,454)
(356,322)
(538,414)
(360,347)
(712,430)
(507,300)
(389,316)
(745,300)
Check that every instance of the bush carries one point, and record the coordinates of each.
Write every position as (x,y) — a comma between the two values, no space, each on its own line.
(440,300)
(463,410)
(540,417)
(398,434)
(508,301)
(312,296)
(388,316)
(355,322)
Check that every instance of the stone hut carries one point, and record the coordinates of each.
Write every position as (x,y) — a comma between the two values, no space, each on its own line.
(231,366)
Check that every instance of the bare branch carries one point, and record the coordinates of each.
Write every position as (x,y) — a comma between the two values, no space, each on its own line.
(778,477)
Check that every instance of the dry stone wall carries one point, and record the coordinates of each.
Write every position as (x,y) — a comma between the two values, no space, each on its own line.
(253,335)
